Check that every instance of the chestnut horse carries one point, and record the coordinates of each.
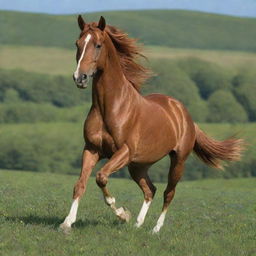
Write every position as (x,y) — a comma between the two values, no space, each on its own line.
(130,129)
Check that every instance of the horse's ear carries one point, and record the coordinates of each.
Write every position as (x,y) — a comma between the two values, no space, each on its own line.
(102,23)
(81,22)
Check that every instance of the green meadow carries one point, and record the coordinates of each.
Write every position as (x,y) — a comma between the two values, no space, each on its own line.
(209,217)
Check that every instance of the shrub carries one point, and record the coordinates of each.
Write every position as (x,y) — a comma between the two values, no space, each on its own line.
(223,107)
(29,112)
(38,148)
(245,92)
(11,96)
(207,76)
(57,90)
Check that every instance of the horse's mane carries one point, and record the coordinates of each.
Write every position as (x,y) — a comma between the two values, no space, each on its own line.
(128,52)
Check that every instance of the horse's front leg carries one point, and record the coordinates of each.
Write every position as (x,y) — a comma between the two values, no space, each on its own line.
(90,158)
(120,159)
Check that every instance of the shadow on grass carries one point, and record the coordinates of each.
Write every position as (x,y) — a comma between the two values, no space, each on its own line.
(50,221)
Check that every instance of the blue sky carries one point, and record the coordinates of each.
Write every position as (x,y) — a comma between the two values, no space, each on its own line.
(230,7)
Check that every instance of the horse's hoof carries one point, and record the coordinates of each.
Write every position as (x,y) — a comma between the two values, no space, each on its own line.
(137,225)
(123,214)
(65,228)
(155,230)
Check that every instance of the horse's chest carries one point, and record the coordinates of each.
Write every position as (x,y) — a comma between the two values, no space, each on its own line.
(95,134)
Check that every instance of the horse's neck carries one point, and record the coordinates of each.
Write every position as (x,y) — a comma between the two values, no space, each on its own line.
(111,90)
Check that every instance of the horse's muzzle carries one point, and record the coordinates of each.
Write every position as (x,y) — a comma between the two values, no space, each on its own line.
(81,81)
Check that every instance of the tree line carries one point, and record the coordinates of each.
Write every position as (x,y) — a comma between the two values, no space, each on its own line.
(211,93)
(57,148)
(54,110)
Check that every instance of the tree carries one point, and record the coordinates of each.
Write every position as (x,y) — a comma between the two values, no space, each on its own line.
(223,107)
(245,91)
(11,96)
(207,76)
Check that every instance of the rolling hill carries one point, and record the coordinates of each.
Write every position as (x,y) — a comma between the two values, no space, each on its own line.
(179,29)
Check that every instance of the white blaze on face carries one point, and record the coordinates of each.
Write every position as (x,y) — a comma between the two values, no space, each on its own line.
(86,40)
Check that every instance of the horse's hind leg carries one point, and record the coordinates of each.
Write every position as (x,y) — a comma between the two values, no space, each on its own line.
(140,176)
(90,158)
(175,173)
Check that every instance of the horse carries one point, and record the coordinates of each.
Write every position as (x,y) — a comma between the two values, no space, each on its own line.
(130,129)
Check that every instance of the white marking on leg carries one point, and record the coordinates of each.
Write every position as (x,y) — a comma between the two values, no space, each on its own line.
(160,222)
(71,218)
(86,40)
(142,214)
(119,211)
(122,214)
(110,200)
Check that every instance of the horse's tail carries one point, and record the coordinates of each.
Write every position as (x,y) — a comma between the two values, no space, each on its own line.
(212,152)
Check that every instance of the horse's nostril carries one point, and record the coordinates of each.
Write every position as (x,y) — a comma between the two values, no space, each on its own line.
(84,76)
(74,77)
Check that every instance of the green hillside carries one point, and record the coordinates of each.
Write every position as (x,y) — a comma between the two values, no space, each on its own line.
(183,29)
(210,217)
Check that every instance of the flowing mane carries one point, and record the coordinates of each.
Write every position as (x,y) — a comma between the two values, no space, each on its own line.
(128,52)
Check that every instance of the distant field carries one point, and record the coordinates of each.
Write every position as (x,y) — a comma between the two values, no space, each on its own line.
(54,61)
(209,217)
(60,61)
(230,59)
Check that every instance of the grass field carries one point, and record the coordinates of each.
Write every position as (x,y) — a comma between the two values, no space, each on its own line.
(46,60)
(209,217)
(60,61)
(224,58)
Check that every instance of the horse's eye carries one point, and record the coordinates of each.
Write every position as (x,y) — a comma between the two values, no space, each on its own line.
(98,46)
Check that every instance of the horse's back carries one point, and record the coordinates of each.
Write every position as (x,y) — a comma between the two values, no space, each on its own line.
(172,106)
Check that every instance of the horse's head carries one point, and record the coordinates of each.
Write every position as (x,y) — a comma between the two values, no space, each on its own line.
(90,51)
